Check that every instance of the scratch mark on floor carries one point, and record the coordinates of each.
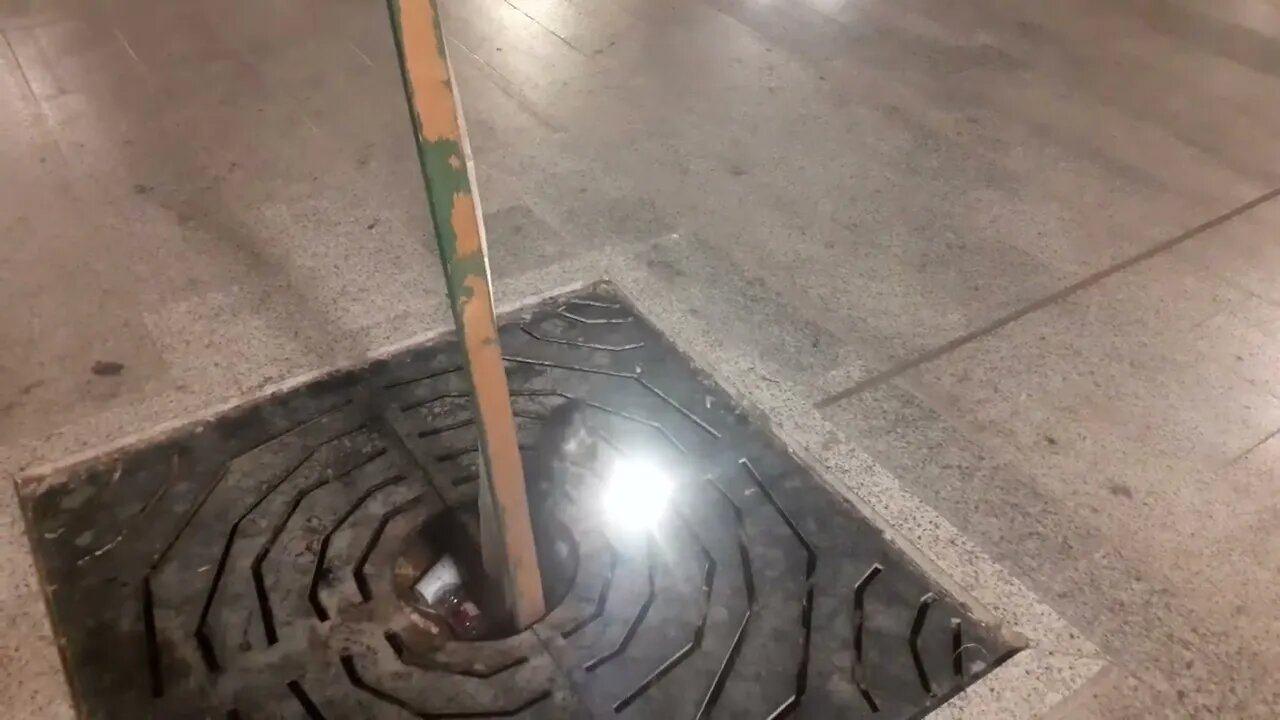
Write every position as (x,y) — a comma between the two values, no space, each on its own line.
(360,53)
(508,88)
(129,49)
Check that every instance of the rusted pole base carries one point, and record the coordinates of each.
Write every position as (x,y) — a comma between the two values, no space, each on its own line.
(445,157)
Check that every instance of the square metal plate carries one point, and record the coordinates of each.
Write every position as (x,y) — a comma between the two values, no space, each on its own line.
(247,567)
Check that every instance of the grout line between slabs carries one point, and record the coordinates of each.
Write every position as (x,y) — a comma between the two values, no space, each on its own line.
(1088,281)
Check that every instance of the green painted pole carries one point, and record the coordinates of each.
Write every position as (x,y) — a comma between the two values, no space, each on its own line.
(506,532)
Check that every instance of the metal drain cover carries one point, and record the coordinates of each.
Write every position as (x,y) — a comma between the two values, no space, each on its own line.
(245,568)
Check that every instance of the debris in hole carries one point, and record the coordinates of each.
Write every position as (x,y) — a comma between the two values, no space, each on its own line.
(442,589)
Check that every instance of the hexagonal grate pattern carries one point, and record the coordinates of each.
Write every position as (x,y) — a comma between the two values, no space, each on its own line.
(243,569)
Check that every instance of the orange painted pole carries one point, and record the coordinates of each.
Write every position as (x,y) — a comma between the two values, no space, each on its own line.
(506,531)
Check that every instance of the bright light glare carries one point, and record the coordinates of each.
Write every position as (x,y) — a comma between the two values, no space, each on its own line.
(635,495)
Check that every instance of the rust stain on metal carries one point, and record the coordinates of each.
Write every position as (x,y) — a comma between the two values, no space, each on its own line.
(471,246)
(424,63)
(444,158)
(504,465)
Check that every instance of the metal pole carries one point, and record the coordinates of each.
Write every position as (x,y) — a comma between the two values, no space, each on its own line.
(506,532)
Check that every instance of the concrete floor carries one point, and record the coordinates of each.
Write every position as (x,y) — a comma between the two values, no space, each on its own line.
(1022,254)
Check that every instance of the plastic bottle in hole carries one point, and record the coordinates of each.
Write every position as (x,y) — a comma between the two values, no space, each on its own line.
(442,589)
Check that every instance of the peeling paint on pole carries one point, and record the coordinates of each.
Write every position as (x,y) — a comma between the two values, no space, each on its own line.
(444,155)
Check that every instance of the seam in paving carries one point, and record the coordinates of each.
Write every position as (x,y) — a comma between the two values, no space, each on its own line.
(1245,453)
(894,371)
(540,24)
